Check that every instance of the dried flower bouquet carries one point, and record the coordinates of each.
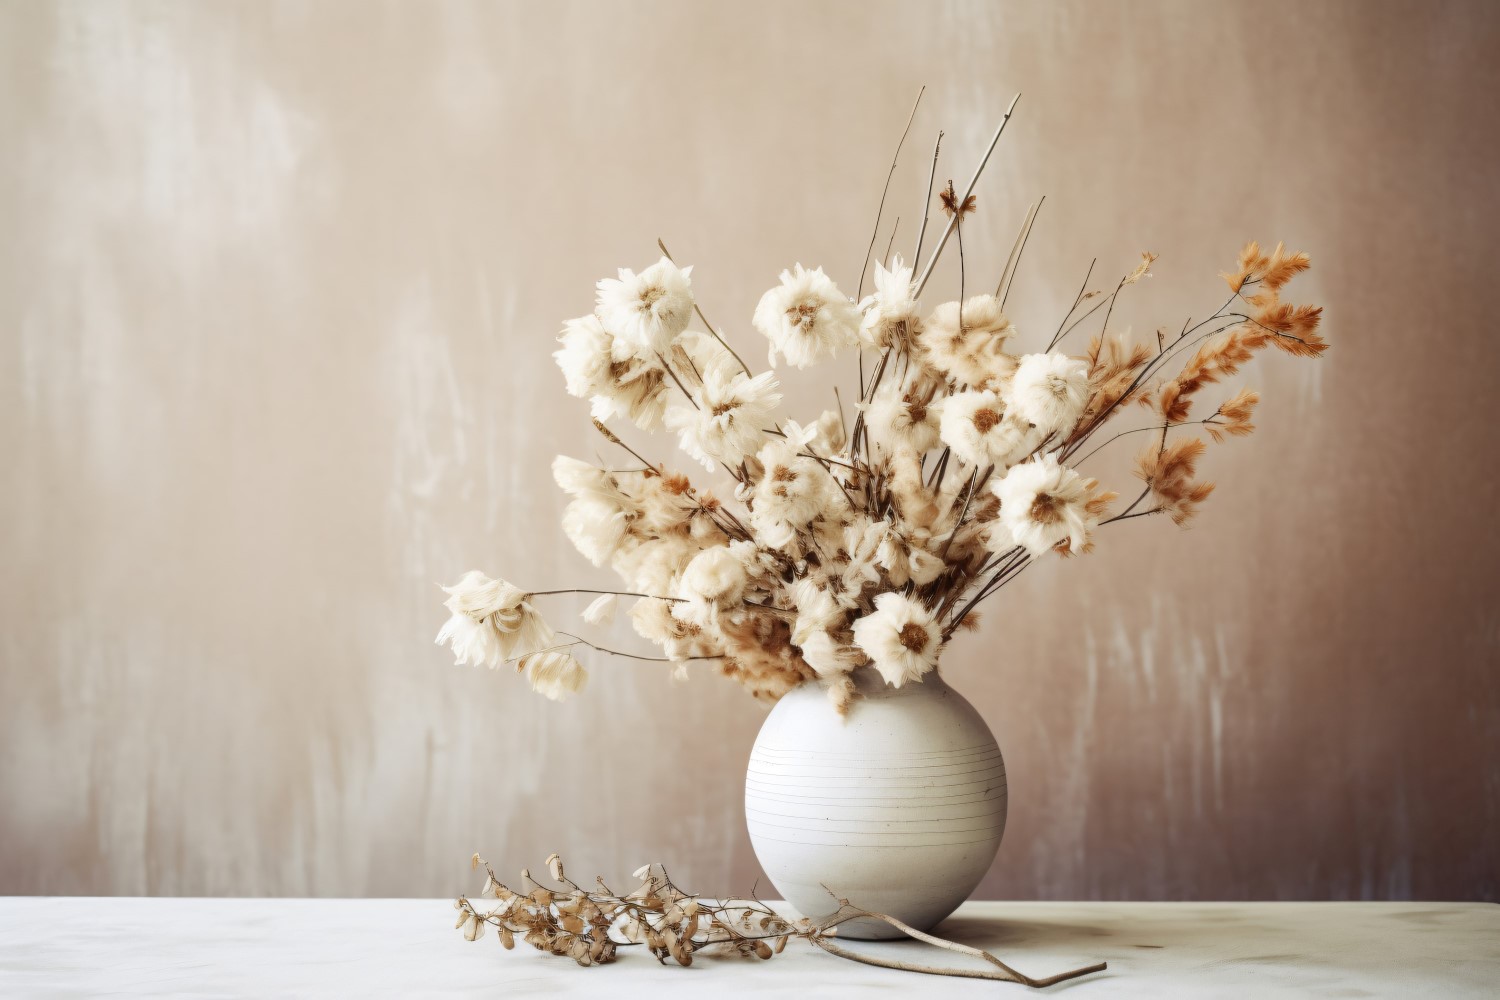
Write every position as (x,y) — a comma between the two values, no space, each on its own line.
(866,537)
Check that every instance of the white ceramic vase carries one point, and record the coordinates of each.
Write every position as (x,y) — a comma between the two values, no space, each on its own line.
(898,807)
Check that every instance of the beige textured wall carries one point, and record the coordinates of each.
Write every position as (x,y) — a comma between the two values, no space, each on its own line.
(278,286)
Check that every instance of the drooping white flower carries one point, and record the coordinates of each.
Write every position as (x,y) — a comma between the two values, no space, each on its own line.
(472,641)
(806,318)
(902,419)
(827,656)
(900,637)
(601,610)
(817,611)
(600,367)
(556,674)
(890,314)
(491,621)
(903,559)
(1049,391)
(1043,504)
(973,355)
(979,429)
(714,581)
(647,310)
(727,418)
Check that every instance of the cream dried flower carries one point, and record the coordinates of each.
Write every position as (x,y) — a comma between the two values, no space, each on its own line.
(714,581)
(891,317)
(979,429)
(726,420)
(602,368)
(792,492)
(900,637)
(974,355)
(902,419)
(647,310)
(1049,391)
(828,657)
(806,317)
(555,674)
(491,621)
(1043,504)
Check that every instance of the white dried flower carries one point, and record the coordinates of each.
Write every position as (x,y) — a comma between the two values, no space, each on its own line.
(491,621)
(817,611)
(1049,391)
(555,674)
(599,518)
(831,436)
(714,581)
(1043,504)
(602,368)
(647,310)
(828,657)
(792,492)
(727,418)
(902,419)
(806,318)
(979,429)
(900,637)
(974,355)
(890,314)
(601,610)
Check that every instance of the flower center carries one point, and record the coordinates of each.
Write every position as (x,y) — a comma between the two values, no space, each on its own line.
(720,409)
(913,637)
(985,419)
(650,296)
(803,313)
(1046,509)
(782,474)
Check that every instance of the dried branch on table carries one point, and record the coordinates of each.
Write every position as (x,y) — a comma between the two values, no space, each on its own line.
(590,925)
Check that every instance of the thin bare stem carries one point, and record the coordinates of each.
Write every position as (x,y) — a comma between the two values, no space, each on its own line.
(927,205)
(859,294)
(937,251)
(1076,299)
(715,333)
(1013,262)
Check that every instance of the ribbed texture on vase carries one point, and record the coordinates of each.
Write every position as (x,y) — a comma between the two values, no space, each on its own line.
(931,799)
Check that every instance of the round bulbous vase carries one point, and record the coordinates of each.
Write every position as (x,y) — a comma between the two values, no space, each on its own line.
(898,806)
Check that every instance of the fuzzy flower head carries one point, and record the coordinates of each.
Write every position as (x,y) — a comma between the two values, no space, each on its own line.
(727,418)
(647,310)
(793,491)
(1044,504)
(900,637)
(973,353)
(1049,391)
(890,318)
(902,419)
(806,318)
(714,581)
(554,674)
(491,621)
(598,366)
(980,430)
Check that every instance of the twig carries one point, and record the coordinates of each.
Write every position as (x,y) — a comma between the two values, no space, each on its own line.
(715,333)
(937,251)
(1013,262)
(927,205)
(859,294)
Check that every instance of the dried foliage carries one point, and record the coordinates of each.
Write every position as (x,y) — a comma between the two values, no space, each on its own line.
(591,925)
(867,535)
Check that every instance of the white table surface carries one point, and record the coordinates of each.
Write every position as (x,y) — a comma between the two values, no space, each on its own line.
(77,947)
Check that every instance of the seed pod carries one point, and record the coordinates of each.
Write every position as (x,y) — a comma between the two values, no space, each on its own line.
(474,928)
(781,943)
(555,866)
(507,937)
(762,950)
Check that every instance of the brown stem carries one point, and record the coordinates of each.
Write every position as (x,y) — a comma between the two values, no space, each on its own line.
(859,293)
